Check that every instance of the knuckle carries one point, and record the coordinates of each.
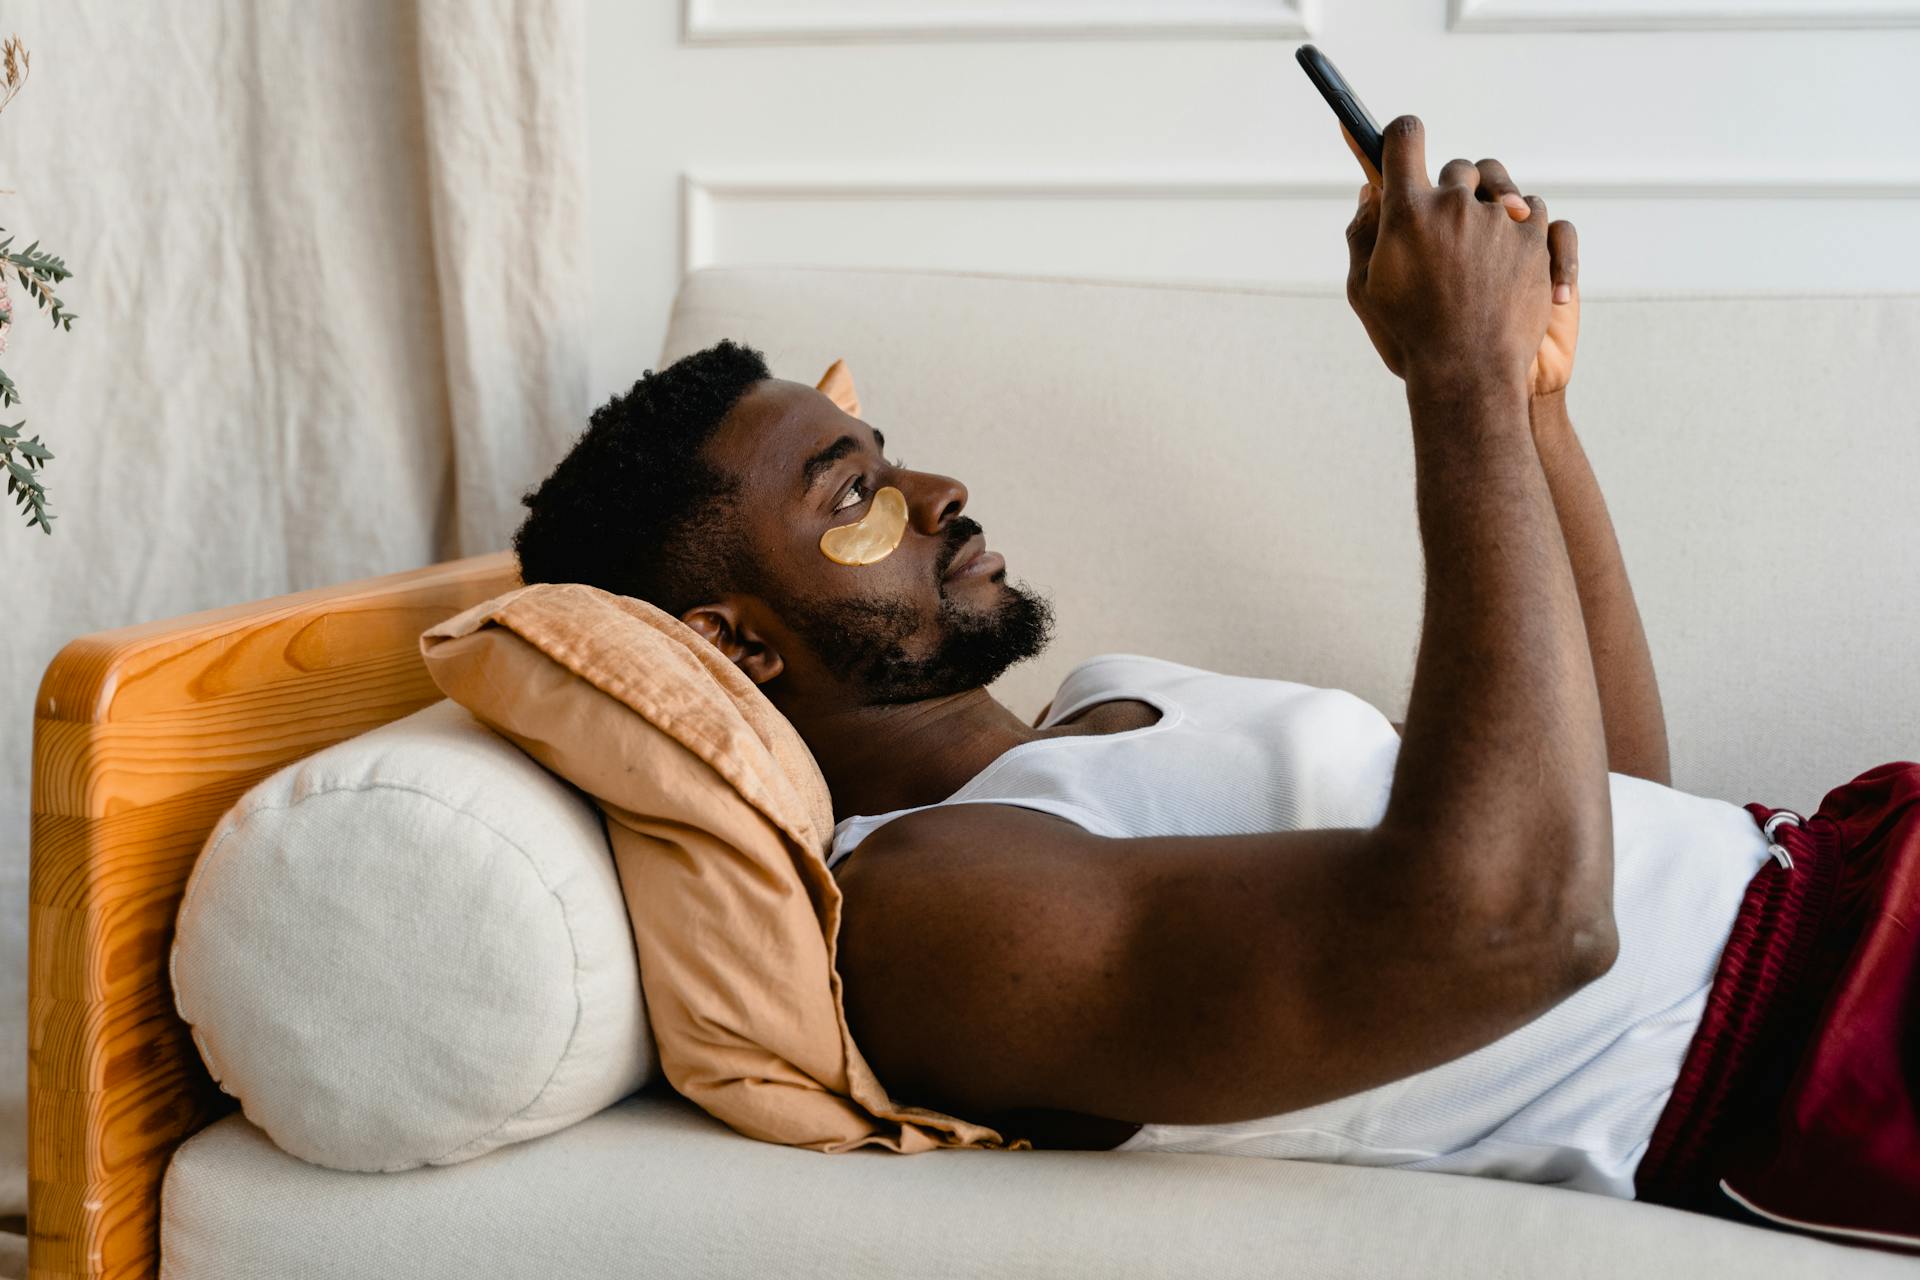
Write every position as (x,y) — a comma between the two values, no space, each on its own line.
(1404,126)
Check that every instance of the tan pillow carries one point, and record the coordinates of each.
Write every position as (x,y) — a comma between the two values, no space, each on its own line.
(719,820)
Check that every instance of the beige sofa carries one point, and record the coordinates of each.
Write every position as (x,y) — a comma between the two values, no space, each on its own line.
(1758,455)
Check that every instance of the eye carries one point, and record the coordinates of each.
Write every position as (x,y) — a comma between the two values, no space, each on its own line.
(861,486)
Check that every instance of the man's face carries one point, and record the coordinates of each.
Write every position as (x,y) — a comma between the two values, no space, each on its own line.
(899,629)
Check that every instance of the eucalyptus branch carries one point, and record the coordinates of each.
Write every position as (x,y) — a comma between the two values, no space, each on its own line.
(38,272)
(22,483)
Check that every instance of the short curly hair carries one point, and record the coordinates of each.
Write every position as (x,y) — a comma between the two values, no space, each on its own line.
(634,508)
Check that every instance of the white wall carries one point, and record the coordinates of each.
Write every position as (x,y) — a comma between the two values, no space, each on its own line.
(1728,145)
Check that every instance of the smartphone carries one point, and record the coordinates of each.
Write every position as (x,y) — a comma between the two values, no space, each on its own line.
(1363,135)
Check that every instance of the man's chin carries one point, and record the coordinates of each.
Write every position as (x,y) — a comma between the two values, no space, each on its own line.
(1019,626)
(977,647)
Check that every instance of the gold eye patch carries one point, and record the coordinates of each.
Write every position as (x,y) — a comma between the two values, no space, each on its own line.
(872,538)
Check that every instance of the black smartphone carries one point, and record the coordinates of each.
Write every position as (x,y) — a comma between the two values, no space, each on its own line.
(1362,132)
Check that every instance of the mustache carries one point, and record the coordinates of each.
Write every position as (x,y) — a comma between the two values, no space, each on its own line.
(962,528)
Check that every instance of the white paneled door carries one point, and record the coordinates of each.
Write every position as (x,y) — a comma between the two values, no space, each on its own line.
(1724,145)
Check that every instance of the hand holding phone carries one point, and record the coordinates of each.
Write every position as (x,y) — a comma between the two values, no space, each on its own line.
(1552,364)
(1448,287)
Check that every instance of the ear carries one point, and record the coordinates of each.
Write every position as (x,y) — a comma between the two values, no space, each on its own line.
(725,625)
(837,385)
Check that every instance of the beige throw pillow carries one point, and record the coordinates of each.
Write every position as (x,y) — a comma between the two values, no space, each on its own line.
(719,820)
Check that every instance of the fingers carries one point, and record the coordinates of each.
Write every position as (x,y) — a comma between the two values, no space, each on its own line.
(1538,217)
(1500,188)
(1459,173)
(1403,155)
(1563,243)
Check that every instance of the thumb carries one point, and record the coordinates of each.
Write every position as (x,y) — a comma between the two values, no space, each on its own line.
(1362,232)
(1364,229)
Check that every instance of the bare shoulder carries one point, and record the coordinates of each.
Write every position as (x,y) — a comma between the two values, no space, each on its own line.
(967,934)
(911,877)
(972,834)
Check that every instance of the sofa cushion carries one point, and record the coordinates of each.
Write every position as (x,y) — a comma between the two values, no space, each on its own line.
(652,1187)
(410,948)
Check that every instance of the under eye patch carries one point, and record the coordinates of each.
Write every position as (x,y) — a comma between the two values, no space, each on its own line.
(873,537)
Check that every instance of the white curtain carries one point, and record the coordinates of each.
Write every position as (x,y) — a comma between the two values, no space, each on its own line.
(329,272)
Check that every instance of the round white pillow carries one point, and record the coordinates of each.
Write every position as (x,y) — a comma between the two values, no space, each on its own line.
(410,948)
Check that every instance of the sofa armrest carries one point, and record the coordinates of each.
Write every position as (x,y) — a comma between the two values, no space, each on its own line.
(142,737)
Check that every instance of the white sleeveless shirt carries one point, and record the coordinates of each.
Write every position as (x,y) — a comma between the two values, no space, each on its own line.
(1571,1097)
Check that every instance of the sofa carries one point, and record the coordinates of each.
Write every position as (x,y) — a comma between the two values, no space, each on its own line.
(1757,453)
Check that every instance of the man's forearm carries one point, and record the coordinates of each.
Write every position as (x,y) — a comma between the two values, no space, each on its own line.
(1636,727)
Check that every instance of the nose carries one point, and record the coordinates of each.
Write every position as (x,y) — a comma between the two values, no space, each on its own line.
(933,501)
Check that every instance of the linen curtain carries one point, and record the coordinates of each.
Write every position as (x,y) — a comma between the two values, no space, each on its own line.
(329,272)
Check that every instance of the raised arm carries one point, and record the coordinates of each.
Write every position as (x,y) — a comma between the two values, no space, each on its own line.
(1636,727)
(1503,657)
(1629,694)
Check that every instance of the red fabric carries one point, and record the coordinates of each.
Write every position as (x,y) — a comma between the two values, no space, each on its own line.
(1801,1087)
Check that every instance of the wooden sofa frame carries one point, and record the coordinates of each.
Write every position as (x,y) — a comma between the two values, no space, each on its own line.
(142,738)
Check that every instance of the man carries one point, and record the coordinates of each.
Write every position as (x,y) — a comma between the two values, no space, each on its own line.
(1188,911)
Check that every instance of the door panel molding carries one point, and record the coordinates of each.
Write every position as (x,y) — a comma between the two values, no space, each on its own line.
(1677,15)
(814,21)
(1225,229)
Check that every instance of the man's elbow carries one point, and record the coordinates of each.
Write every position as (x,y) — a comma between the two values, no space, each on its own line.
(1592,946)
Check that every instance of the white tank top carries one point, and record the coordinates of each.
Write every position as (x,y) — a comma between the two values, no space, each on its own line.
(1569,1098)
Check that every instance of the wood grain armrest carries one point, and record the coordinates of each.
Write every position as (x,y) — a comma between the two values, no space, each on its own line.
(142,738)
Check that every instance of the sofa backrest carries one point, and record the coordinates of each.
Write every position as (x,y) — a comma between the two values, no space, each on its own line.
(1223,477)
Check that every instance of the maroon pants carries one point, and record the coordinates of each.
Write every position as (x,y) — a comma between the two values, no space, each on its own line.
(1798,1103)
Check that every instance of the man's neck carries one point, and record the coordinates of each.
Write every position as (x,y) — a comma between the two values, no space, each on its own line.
(902,755)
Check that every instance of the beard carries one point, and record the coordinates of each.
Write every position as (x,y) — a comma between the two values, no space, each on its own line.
(866,644)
